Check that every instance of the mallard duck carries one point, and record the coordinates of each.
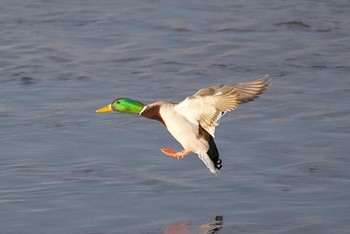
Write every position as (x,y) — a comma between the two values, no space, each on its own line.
(192,122)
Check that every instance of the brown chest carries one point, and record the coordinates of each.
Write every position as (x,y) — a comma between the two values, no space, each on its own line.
(152,112)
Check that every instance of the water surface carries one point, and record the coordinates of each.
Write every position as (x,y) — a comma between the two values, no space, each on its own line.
(65,169)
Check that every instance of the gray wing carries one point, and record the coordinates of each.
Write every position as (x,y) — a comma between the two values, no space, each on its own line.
(208,105)
(247,91)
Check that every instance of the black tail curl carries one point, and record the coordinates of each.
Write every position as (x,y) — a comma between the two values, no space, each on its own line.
(214,153)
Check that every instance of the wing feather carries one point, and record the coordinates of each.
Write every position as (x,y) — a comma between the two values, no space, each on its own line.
(206,110)
(208,105)
(249,91)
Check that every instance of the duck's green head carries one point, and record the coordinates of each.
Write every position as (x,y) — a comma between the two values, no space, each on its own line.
(124,105)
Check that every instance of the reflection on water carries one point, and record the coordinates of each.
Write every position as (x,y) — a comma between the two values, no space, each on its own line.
(186,227)
(181,227)
(214,226)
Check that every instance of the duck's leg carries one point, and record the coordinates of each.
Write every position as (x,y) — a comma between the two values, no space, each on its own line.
(173,153)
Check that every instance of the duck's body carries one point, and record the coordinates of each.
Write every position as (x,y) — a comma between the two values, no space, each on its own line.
(192,136)
(192,122)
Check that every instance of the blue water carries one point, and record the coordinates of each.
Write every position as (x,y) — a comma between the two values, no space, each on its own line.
(66,169)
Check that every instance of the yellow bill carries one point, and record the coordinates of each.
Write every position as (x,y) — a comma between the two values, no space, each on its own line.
(107,108)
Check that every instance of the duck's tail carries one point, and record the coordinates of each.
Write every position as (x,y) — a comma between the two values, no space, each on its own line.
(211,157)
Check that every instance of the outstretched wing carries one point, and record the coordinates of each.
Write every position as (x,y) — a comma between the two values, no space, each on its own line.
(206,110)
(247,91)
(207,105)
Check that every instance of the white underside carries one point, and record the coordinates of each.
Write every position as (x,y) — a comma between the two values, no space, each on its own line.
(186,134)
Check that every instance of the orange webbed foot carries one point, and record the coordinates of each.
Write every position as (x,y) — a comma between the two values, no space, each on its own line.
(172,153)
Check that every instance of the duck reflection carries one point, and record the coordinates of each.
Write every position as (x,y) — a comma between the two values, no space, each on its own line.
(186,227)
